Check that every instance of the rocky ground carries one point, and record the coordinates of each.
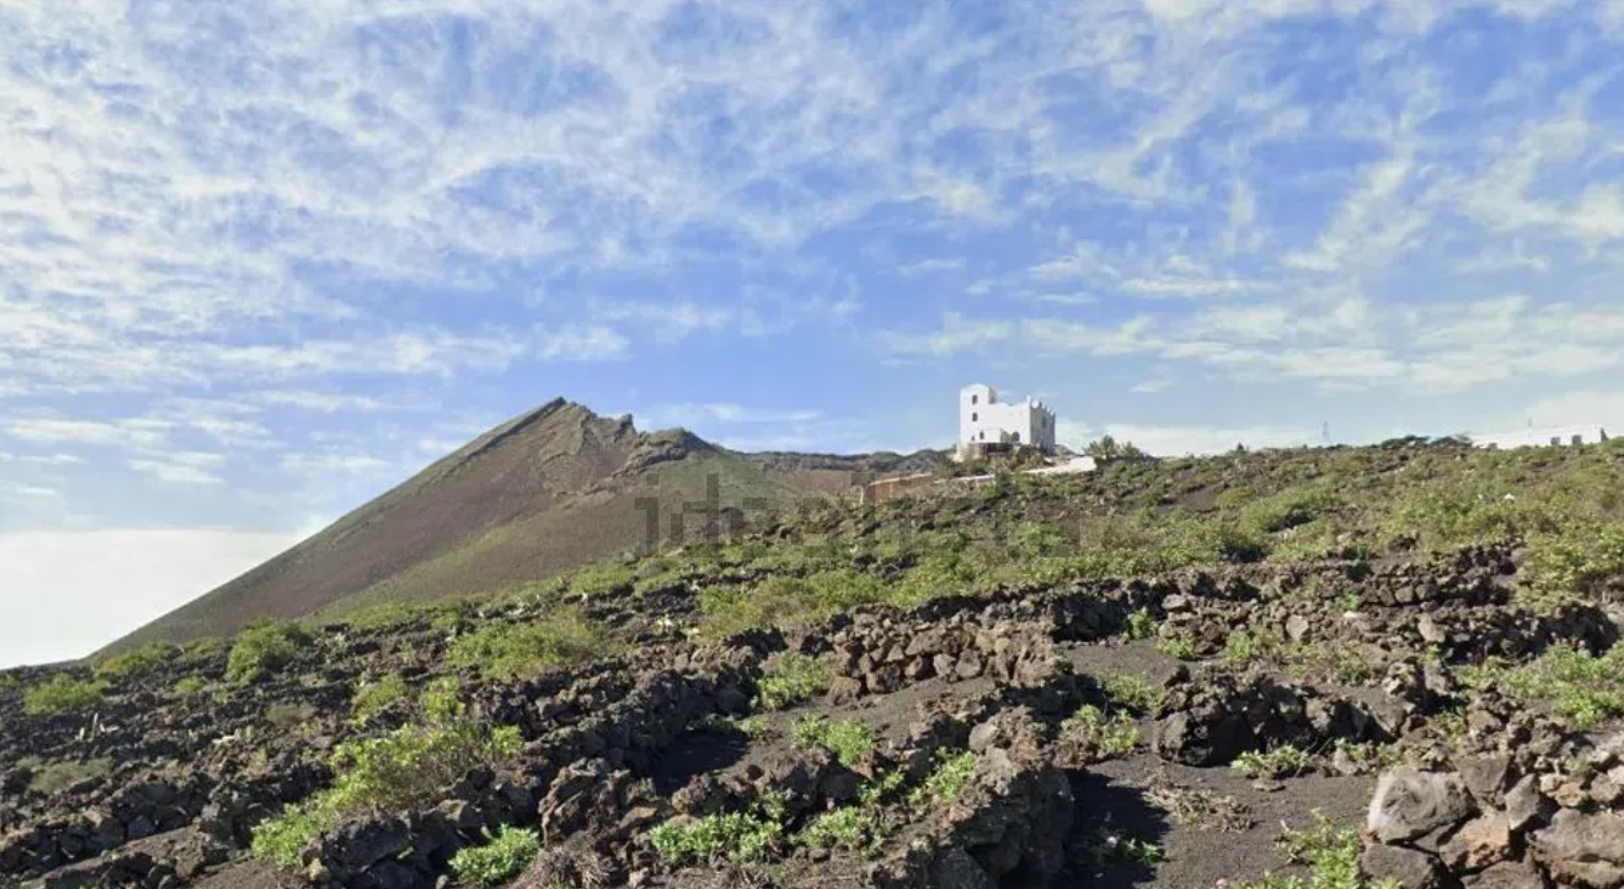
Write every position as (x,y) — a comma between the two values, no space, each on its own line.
(1338,721)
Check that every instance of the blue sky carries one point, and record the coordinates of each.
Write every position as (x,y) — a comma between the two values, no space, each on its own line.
(260,261)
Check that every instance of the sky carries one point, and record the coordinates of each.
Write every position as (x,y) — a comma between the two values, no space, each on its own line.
(260,261)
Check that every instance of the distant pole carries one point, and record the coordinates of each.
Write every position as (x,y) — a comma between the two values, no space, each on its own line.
(1325,432)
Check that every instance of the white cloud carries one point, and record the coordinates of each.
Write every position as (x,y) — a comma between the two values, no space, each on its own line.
(68,593)
(42,459)
(334,463)
(1179,440)
(182,467)
(139,432)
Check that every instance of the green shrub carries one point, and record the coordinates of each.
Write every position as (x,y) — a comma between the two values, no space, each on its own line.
(503,858)
(263,649)
(848,740)
(1094,736)
(410,766)
(507,650)
(1131,692)
(847,828)
(1281,762)
(791,679)
(189,685)
(371,698)
(1141,624)
(1571,683)
(945,782)
(736,837)
(62,694)
(138,660)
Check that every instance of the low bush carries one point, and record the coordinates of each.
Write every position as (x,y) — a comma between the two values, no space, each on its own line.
(736,837)
(792,678)
(1281,762)
(63,694)
(1092,735)
(189,685)
(263,649)
(947,780)
(848,740)
(506,650)
(849,828)
(138,660)
(1330,854)
(1570,683)
(503,858)
(407,767)
(371,698)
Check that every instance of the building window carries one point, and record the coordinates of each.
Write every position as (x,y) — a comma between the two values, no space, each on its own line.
(974,416)
(974,399)
(1578,439)
(1556,439)
(1016,438)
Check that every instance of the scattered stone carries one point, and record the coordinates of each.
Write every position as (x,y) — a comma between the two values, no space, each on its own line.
(1410,803)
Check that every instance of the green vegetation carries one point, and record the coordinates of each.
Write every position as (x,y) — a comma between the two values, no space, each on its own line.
(1134,693)
(406,767)
(507,650)
(1570,683)
(1096,737)
(736,837)
(1281,762)
(1179,645)
(790,679)
(63,694)
(850,828)
(138,660)
(58,775)
(372,697)
(189,685)
(263,649)
(1141,624)
(849,741)
(1331,855)
(503,858)
(952,774)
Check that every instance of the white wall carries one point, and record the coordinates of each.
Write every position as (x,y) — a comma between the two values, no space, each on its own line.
(1541,437)
(982,418)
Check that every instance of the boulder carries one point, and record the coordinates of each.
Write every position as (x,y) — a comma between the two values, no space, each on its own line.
(1411,869)
(1409,804)
(1582,849)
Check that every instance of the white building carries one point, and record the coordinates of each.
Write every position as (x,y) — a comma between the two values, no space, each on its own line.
(984,420)
(1560,436)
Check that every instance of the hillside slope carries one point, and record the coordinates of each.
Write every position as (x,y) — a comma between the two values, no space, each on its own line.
(551,489)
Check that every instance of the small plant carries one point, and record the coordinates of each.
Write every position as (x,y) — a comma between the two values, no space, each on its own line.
(1179,645)
(1131,692)
(53,777)
(755,727)
(371,698)
(63,694)
(1094,737)
(189,685)
(849,828)
(1369,756)
(1585,689)
(944,784)
(877,791)
(263,649)
(848,740)
(1108,845)
(1141,624)
(736,837)
(1281,762)
(139,660)
(1331,855)
(791,679)
(503,858)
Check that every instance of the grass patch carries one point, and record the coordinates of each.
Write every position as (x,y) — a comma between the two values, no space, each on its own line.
(503,858)
(190,685)
(410,766)
(63,694)
(848,740)
(791,679)
(508,650)
(264,649)
(57,776)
